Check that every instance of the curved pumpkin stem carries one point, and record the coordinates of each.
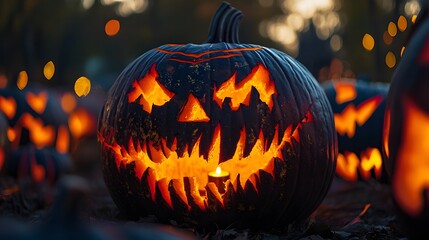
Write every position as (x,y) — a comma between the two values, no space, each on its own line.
(225,24)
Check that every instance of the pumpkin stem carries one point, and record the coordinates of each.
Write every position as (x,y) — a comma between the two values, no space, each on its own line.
(225,24)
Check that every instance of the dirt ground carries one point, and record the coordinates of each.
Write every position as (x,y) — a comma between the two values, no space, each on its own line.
(362,210)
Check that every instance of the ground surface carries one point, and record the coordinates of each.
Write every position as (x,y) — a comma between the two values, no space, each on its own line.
(361,210)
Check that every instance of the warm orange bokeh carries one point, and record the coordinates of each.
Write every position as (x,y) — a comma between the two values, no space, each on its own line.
(37,101)
(164,164)
(68,102)
(150,91)
(63,140)
(345,91)
(259,78)
(193,111)
(411,173)
(345,122)
(8,106)
(81,123)
(40,135)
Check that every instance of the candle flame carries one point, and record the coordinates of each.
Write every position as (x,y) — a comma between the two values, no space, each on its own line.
(218,170)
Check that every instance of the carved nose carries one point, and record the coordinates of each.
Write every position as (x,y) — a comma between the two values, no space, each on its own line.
(193,111)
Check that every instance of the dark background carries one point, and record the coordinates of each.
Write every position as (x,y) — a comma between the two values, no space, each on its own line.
(71,34)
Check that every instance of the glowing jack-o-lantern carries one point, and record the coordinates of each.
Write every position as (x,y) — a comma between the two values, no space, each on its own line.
(358,114)
(406,135)
(218,133)
(35,125)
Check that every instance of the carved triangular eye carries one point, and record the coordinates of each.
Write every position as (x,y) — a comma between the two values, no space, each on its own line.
(193,111)
(150,91)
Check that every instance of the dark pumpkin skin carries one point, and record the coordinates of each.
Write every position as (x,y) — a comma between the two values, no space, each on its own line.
(4,141)
(409,87)
(369,134)
(296,185)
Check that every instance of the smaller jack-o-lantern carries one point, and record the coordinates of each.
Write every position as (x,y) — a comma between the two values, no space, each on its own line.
(406,133)
(36,125)
(358,109)
(218,134)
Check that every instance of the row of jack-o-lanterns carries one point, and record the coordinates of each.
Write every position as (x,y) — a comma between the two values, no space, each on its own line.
(226,133)
(39,134)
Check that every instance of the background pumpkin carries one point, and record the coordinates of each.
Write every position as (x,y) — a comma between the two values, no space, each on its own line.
(38,133)
(179,111)
(358,108)
(407,131)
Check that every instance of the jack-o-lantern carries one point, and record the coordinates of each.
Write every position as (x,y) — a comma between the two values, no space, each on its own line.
(35,117)
(406,135)
(37,131)
(218,133)
(358,109)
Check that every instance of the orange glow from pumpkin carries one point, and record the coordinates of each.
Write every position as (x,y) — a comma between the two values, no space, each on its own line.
(193,111)
(150,91)
(37,101)
(259,78)
(164,163)
(386,131)
(40,135)
(411,173)
(8,106)
(345,91)
(81,123)
(348,165)
(345,122)
(11,134)
(63,140)
(38,172)
(68,102)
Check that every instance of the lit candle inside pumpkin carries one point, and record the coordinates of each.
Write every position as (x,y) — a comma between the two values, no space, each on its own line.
(219,178)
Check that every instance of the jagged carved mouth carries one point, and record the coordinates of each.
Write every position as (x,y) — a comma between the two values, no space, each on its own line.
(162,165)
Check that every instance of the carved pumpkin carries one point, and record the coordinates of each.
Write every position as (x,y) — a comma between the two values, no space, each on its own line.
(35,117)
(218,133)
(39,165)
(38,133)
(358,114)
(406,135)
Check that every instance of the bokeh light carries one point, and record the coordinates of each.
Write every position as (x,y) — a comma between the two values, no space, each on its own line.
(82,86)
(49,70)
(368,42)
(68,102)
(390,60)
(402,23)
(391,29)
(22,81)
(112,27)
(3,81)
(298,16)
(412,7)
